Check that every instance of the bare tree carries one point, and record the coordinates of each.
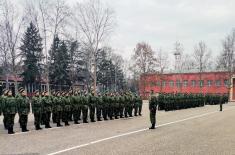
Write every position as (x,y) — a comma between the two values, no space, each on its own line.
(144,62)
(96,22)
(162,65)
(51,18)
(202,57)
(226,60)
(12,23)
(178,53)
(118,62)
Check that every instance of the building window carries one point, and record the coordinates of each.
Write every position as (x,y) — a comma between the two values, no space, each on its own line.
(163,83)
(193,83)
(201,83)
(226,83)
(218,83)
(152,84)
(172,83)
(185,83)
(158,83)
(178,83)
(209,83)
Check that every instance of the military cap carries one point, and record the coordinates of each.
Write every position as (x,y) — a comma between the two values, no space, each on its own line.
(5,91)
(20,89)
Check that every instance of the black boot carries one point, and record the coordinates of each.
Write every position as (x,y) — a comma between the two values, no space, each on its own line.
(10,130)
(85,121)
(37,127)
(76,122)
(66,123)
(59,125)
(99,119)
(47,126)
(24,128)
(152,127)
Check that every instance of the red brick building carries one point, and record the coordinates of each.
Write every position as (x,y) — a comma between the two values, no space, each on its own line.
(211,82)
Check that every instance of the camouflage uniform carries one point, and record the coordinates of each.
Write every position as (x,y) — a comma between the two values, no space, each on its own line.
(58,110)
(153,109)
(127,100)
(105,107)
(110,107)
(92,106)
(9,111)
(140,104)
(66,110)
(84,101)
(121,105)
(76,108)
(37,111)
(136,105)
(116,103)
(23,107)
(46,110)
(99,108)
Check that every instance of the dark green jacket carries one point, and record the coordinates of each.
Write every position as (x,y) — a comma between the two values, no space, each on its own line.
(46,104)
(23,105)
(153,103)
(36,105)
(10,106)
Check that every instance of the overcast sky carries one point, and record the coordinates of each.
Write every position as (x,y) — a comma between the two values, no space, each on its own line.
(163,22)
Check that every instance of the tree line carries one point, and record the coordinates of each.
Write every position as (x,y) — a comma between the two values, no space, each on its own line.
(59,43)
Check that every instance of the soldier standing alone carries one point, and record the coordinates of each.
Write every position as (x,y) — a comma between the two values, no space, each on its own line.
(153,109)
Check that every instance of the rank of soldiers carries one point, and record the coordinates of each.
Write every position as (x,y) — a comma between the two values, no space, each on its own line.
(169,102)
(66,107)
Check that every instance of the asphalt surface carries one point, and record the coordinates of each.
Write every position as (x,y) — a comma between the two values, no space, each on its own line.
(200,131)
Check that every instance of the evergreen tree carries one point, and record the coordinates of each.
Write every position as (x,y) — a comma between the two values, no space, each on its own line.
(59,67)
(32,52)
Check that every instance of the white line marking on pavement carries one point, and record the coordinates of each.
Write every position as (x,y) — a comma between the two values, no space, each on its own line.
(54,128)
(133,132)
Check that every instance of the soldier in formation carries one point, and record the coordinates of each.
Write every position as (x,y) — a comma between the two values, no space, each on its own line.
(60,106)
(177,101)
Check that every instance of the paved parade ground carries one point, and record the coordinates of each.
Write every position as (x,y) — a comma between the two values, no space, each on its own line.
(201,131)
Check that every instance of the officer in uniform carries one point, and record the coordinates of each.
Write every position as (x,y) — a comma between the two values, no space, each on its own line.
(23,107)
(37,109)
(9,111)
(153,109)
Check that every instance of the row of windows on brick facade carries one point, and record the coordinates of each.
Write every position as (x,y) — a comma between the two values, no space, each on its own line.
(194,83)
